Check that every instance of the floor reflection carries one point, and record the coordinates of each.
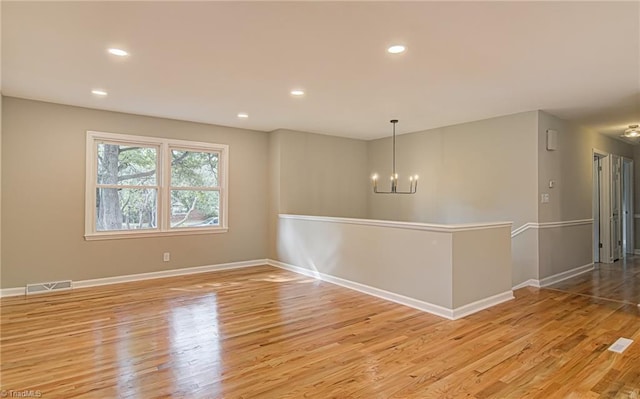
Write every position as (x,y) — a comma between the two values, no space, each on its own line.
(618,281)
(195,359)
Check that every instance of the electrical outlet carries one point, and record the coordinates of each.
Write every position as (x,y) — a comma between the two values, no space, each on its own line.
(544,198)
(166,256)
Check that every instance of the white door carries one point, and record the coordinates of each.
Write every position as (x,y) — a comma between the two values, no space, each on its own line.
(608,208)
(597,241)
(616,207)
(604,178)
(628,244)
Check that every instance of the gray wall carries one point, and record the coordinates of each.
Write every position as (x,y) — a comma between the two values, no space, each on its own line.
(636,194)
(43,189)
(473,172)
(274,191)
(321,175)
(314,174)
(483,171)
(571,167)
(482,264)
(0,186)
(489,170)
(413,263)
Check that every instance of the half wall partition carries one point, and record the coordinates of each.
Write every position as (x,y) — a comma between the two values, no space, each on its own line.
(447,270)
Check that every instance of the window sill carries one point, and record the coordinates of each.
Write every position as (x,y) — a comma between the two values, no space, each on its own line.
(118,235)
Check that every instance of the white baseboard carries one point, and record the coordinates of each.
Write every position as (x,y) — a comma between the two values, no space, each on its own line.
(529,283)
(12,291)
(451,314)
(556,278)
(147,276)
(482,304)
(377,292)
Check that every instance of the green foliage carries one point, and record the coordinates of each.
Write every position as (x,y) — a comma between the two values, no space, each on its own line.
(136,207)
(194,169)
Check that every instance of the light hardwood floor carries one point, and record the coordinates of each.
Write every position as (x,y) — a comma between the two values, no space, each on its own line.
(267,333)
(618,281)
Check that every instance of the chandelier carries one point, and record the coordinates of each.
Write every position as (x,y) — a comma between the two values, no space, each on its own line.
(413,180)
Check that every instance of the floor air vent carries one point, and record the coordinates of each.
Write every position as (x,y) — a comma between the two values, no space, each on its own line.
(40,288)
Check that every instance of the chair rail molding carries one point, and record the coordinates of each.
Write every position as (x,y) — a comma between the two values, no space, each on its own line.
(549,225)
(441,228)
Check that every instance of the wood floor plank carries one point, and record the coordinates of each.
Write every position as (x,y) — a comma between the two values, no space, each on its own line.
(263,332)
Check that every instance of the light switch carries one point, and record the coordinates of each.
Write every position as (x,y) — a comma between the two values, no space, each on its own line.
(552,183)
(544,198)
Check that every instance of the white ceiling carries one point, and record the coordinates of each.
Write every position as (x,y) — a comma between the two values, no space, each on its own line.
(207,61)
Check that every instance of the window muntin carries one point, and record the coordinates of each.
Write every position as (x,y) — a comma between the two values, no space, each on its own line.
(144,186)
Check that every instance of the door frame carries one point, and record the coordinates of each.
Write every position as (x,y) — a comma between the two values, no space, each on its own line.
(628,216)
(615,191)
(601,206)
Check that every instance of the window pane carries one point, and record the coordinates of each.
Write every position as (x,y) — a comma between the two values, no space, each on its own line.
(126,209)
(195,208)
(121,164)
(194,169)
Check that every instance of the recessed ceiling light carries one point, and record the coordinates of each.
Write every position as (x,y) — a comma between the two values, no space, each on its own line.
(396,49)
(243,115)
(297,92)
(633,131)
(118,52)
(99,92)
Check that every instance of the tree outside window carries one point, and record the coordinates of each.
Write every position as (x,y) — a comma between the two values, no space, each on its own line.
(148,185)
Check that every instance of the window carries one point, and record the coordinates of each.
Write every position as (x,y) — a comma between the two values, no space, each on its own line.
(144,186)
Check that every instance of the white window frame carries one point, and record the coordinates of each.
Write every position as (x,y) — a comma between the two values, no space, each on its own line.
(163,184)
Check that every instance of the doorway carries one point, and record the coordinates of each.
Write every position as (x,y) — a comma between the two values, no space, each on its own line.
(600,230)
(612,207)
